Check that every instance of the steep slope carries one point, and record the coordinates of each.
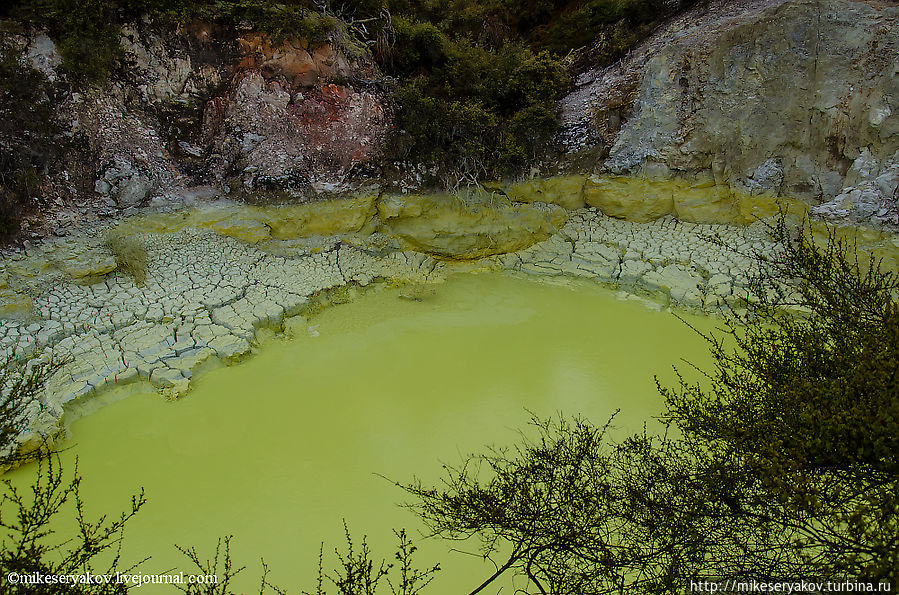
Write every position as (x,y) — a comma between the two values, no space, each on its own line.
(217,108)
(796,98)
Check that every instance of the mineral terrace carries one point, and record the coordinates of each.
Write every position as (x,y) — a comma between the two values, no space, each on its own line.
(216,275)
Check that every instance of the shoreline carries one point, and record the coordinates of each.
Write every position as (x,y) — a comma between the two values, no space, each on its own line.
(208,294)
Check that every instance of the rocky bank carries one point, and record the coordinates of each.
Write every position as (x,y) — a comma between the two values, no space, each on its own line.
(794,98)
(781,98)
(205,111)
(213,276)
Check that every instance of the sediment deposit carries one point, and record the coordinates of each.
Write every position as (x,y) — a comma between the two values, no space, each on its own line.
(217,275)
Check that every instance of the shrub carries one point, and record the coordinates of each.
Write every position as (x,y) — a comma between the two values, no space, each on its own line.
(418,47)
(30,143)
(30,542)
(86,32)
(20,390)
(89,39)
(491,72)
(472,111)
(617,24)
(786,462)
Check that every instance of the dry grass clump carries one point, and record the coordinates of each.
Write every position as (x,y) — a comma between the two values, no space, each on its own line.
(130,256)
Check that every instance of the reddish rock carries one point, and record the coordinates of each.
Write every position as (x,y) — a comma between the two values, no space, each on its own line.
(274,134)
(293,59)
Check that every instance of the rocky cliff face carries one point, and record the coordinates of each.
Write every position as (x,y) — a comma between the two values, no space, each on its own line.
(797,98)
(206,110)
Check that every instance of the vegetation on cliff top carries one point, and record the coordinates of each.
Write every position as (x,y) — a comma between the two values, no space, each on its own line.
(87,31)
(472,112)
(479,79)
(476,80)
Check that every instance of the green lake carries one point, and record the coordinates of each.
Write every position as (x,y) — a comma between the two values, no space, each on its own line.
(280,449)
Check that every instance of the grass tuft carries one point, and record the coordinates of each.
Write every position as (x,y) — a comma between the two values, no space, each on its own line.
(130,256)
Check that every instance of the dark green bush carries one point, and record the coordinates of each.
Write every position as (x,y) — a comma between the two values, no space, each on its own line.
(471,109)
(583,25)
(418,48)
(86,33)
(89,43)
(29,137)
(493,67)
(555,25)
(451,134)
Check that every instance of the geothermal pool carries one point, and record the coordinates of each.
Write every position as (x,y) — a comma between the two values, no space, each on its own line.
(279,449)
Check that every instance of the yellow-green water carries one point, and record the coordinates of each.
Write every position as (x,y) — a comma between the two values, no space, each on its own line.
(279,449)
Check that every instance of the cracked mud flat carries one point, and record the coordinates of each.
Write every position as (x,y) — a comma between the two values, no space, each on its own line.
(206,295)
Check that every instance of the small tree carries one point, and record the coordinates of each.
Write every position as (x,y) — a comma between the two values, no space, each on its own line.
(21,385)
(803,411)
(786,462)
(356,573)
(30,543)
(31,546)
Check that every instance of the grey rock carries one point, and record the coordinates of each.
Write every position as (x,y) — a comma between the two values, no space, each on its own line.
(189,149)
(134,191)
(43,56)
(787,96)
(767,176)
